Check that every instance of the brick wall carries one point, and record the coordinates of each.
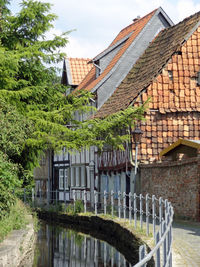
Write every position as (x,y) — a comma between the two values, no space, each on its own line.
(178,181)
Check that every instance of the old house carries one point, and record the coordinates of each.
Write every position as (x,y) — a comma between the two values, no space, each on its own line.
(110,67)
(53,173)
(168,73)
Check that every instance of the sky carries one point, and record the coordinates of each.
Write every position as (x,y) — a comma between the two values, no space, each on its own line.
(95,23)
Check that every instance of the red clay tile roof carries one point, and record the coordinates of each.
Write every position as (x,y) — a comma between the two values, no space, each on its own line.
(79,68)
(130,28)
(136,27)
(168,96)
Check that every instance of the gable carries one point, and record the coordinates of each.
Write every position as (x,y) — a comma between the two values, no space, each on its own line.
(75,70)
(135,28)
(151,72)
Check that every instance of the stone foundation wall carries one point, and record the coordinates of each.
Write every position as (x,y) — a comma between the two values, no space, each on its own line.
(17,246)
(105,229)
(179,182)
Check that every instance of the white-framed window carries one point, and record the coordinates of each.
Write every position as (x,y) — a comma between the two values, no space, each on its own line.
(63,179)
(105,183)
(66,178)
(117,184)
(83,182)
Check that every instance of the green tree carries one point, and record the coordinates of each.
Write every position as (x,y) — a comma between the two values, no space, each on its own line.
(28,82)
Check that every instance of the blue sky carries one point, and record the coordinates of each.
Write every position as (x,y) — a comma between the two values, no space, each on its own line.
(97,22)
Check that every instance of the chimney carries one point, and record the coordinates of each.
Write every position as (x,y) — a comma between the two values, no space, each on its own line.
(136,19)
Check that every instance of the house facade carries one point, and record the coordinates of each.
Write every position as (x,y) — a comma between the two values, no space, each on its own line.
(85,170)
(169,74)
(113,169)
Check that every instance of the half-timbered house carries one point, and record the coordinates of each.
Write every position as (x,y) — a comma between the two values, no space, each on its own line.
(109,69)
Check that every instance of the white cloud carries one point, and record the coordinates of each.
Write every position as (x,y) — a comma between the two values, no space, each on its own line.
(97,22)
(78,47)
(186,8)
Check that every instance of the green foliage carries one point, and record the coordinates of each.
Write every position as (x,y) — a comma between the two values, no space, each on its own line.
(14,221)
(75,208)
(14,130)
(78,207)
(28,82)
(8,183)
(34,109)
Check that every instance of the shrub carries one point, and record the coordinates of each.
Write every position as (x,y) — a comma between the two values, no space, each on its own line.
(79,207)
(75,208)
(8,182)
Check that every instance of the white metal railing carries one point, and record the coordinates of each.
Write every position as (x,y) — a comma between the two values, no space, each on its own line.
(149,213)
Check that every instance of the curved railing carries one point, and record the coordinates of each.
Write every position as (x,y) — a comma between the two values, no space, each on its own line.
(146,212)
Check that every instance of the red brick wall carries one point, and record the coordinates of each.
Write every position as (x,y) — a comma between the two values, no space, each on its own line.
(179,182)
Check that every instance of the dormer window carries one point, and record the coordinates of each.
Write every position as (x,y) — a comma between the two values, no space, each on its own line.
(98,69)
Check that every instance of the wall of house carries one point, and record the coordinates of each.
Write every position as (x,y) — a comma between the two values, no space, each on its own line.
(174,106)
(177,181)
(124,65)
(43,174)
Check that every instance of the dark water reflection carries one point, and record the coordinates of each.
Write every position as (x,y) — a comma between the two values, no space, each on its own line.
(57,246)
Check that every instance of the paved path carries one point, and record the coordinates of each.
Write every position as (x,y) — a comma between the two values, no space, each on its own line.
(186,244)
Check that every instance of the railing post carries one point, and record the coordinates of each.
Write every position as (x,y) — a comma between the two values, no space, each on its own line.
(105,201)
(64,194)
(147,214)
(124,204)
(85,201)
(168,236)
(158,250)
(160,214)
(135,209)
(119,204)
(142,253)
(170,233)
(141,212)
(154,216)
(112,202)
(74,198)
(33,196)
(166,205)
(130,208)
(95,201)
(164,244)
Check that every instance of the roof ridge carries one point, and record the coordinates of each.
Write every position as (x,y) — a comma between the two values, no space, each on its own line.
(138,20)
(131,25)
(78,58)
(119,53)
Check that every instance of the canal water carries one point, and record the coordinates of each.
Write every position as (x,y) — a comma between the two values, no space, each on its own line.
(62,247)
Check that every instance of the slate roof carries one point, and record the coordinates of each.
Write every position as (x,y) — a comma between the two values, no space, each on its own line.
(135,28)
(77,69)
(169,42)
